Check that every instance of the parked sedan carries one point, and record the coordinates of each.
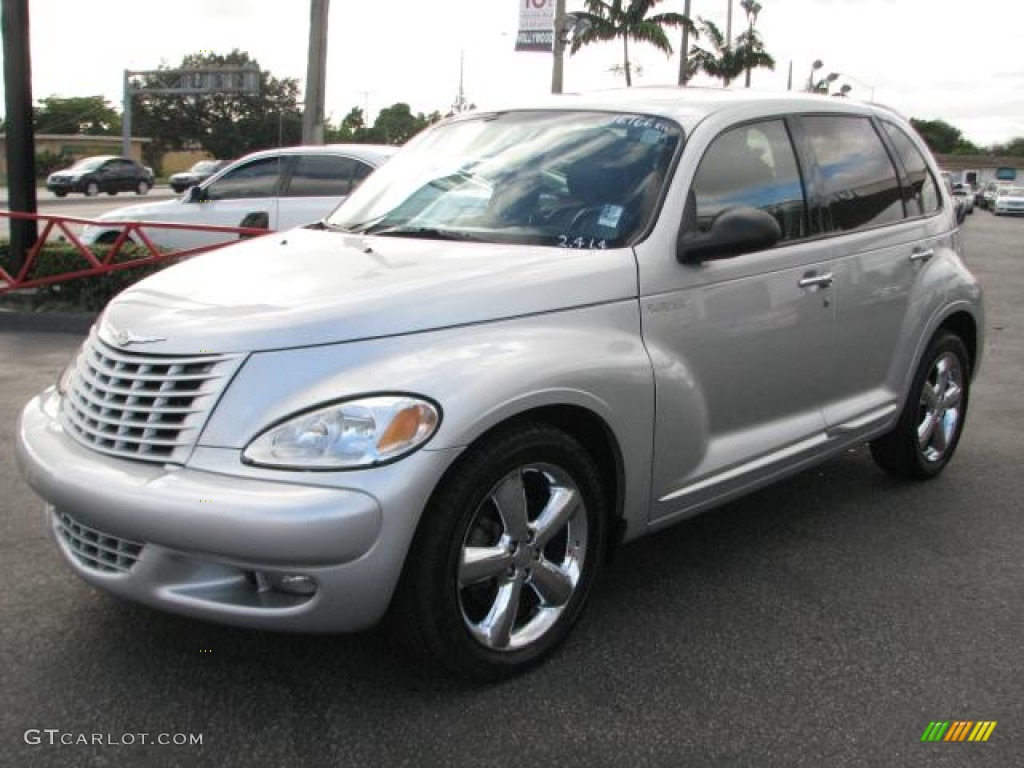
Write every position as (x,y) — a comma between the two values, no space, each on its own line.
(104,173)
(966,194)
(1008,200)
(988,195)
(273,189)
(197,174)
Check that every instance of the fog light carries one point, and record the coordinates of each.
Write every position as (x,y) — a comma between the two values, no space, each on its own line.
(296,584)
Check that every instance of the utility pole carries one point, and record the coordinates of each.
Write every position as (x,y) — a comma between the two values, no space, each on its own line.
(316,74)
(728,26)
(558,47)
(684,75)
(21,145)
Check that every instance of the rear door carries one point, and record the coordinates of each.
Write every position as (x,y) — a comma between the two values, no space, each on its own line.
(876,200)
(316,184)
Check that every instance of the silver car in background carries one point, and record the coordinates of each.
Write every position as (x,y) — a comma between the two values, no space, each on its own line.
(534,334)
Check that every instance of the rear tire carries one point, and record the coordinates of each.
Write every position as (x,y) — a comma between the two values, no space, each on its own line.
(929,429)
(505,555)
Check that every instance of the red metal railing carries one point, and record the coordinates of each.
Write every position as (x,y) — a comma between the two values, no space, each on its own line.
(131,233)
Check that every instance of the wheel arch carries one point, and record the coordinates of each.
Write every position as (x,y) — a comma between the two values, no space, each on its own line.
(963,325)
(594,435)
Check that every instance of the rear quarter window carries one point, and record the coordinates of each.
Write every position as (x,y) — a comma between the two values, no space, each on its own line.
(922,191)
(857,181)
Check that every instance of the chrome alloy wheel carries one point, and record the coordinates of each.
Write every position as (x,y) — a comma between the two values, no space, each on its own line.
(522,557)
(940,408)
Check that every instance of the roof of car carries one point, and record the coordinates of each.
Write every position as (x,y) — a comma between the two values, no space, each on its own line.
(689,104)
(371,153)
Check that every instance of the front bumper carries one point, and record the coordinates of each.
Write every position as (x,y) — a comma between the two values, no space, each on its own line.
(63,185)
(249,551)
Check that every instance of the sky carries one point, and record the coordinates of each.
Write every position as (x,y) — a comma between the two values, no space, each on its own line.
(957,61)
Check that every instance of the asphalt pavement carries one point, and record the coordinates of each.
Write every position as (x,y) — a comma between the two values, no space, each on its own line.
(45,196)
(823,622)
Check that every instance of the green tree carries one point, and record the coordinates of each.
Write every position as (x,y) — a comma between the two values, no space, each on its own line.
(1013,148)
(351,129)
(720,60)
(397,124)
(941,137)
(225,124)
(77,115)
(630,20)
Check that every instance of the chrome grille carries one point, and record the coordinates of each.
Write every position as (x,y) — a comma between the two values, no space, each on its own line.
(95,550)
(139,406)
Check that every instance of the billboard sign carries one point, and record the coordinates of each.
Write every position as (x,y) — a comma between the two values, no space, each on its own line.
(536,25)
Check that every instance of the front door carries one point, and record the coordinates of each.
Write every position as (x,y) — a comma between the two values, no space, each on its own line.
(742,347)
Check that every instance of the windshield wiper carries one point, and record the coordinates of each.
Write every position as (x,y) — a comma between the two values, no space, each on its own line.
(428,233)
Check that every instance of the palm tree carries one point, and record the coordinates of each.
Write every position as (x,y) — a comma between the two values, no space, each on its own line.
(749,46)
(750,52)
(721,61)
(628,19)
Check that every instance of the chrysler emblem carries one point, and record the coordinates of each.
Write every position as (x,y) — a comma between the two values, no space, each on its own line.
(124,338)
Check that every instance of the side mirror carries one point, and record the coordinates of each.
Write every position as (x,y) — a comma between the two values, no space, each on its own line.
(194,195)
(733,232)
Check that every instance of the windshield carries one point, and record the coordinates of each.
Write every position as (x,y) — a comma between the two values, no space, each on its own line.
(204,166)
(89,163)
(570,179)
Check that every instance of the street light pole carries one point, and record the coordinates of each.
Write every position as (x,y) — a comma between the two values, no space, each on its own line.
(837,75)
(752,9)
(558,48)
(316,74)
(21,151)
(684,74)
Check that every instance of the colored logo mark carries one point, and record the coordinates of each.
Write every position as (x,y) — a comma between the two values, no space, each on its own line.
(959,730)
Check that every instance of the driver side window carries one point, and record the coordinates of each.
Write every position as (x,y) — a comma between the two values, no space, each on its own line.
(256,179)
(752,165)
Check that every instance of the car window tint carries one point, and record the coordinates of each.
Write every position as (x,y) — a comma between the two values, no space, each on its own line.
(255,179)
(859,187)
(922,195)
(753,165)
(322,176)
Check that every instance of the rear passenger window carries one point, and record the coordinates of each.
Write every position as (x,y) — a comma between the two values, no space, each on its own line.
(753,165)
(857,179)
(922,194)
(325,176)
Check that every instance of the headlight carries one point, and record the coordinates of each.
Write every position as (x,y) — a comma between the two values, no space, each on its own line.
(357,433)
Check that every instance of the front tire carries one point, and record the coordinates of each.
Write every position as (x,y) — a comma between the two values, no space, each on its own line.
(143,188)
(929,429)
(505,556)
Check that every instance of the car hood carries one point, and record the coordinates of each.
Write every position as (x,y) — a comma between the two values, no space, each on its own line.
(307,287)
(143,212)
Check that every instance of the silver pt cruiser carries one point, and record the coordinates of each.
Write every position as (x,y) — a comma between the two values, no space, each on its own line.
(535,334)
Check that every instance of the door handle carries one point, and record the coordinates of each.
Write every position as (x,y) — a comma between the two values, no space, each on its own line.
(922,254)
(811,280)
